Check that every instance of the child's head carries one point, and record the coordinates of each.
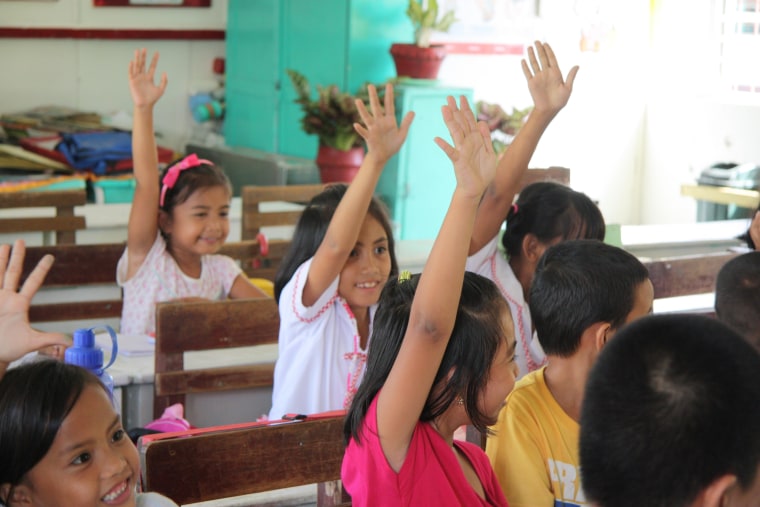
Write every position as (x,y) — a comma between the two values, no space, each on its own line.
(312,226)
(737,296)
(478,365)
(61,441)
(582,283)
(194,201)
(549,212)
(671,411)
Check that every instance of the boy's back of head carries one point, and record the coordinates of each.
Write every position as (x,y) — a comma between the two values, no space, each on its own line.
(737,296)
(578,283)
(671,406)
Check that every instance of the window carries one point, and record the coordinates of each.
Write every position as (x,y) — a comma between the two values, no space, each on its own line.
(740,47)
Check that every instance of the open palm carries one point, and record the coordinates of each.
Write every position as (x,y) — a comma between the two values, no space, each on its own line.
(142,86)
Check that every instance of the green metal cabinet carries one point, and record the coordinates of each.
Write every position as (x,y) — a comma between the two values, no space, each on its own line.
(345,42)
(418,182)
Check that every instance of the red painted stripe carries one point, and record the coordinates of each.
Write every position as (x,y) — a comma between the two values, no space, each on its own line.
(478,48)
(7,32)
(133,3)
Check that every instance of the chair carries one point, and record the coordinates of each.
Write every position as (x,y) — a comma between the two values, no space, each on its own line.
(218,462)
(255,216)
(209,325)
(64,223)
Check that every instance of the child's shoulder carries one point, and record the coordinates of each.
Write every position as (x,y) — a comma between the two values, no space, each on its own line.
(153,500)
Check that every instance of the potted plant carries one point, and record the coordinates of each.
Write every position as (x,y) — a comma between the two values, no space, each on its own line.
(331,117)
(422,60)
(503,125)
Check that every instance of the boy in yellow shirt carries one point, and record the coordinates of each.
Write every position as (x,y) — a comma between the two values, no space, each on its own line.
(582,293)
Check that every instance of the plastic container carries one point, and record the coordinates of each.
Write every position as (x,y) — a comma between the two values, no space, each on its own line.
(730,175)
(86,354)
(117,190)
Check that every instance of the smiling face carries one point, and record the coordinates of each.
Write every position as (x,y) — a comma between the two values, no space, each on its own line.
(200,225)
(92,462)
(367,268)
(502,373)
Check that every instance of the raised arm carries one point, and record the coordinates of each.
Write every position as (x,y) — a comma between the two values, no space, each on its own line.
(550,93)
(754,231)
(384,137)
(17,338)
(434,308)
(143,216)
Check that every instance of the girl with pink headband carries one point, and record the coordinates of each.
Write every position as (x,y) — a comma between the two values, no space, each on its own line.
(178,221)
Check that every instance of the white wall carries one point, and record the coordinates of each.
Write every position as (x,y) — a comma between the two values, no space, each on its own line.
(91,75)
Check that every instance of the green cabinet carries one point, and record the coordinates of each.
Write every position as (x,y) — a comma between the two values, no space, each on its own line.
(345,42)
(418,182)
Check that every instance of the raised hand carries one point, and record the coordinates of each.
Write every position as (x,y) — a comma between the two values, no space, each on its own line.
(384,137)
(142,86)
(17,338)
(550,92)
(472,154)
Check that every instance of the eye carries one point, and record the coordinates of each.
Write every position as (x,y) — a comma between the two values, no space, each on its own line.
(82,459)
(354,253)
(201,215)
(118,435)
(381,250)
(224,214)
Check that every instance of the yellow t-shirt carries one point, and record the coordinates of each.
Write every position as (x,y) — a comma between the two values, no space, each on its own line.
(535,450)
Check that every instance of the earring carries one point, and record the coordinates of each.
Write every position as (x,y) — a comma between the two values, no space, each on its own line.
(459,401)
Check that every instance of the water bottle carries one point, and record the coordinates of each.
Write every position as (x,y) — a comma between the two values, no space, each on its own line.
(84,353)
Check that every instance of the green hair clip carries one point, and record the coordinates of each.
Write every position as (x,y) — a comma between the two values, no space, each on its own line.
(404,276)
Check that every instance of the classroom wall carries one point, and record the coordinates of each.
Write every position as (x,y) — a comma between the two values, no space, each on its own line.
(640,123)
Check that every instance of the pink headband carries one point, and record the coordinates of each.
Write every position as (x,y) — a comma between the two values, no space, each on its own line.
(170,178)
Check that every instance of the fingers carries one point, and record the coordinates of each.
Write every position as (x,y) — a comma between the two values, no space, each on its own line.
(374,101)
(15,265)
(56,343)
(485,133)
(390,107)
(35,279)
(363,113)
(468,115)
(571,77)
(449,150)
(164,82)
(153,64)
(406,122)
(5,252)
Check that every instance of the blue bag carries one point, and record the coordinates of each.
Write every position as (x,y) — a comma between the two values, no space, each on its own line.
(95,151)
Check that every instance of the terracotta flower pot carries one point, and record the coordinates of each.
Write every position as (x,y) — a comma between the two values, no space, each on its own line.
(416,62)
(337,166)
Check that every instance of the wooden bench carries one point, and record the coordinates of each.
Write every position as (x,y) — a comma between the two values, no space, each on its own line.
(254,216)
(64,223)
(217,463)
(94,266)
(686,275)
(210,325)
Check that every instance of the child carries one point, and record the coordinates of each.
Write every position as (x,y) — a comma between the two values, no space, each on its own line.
(61,442)
(442,358)
(583,291)
(329,284)
(671,417)
(752,236)
(544,214)
(175,228)
(737,296)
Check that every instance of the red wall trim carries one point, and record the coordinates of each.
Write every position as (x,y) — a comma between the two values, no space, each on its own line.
(108,33)
(478,48)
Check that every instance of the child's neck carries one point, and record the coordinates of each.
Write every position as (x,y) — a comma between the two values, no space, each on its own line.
(189,264)
(362,325)
(566,379)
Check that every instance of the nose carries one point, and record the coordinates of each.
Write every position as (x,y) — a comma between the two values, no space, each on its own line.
(370,264)
(114,463)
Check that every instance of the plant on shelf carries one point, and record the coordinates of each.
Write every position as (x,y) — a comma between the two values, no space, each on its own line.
(331,117)
(422,60)
(503,125)
(426,21)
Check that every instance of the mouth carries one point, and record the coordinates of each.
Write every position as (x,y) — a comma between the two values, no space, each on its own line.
(118,494)
(367,285)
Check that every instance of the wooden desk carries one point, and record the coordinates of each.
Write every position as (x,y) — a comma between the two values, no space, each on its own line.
(723,195)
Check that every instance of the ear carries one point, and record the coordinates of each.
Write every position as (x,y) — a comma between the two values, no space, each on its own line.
(532,248)
(164,222)
(599,333)
(716,493)
(20,496)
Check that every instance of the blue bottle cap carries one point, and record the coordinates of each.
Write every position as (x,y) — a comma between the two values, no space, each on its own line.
(84,352)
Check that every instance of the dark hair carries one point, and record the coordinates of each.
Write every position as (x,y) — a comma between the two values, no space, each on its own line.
(190,180)
(550,210)
(737,296)
(312,227)
(746,236)
(672,403)
(35,398)
(478,331)
(578,283)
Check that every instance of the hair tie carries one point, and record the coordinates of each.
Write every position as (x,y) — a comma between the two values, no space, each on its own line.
(514,209)
(172,174)
(404,276)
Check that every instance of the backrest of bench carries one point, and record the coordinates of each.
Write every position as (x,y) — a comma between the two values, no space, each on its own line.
(686,275)
(210,325)
(64,223)
(254,217)
(238,462)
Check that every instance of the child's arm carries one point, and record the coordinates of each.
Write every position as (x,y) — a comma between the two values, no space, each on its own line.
(384,138)
(754,230)
(242,288)
(143,216)
(17,338)
(434,308)
(550,93)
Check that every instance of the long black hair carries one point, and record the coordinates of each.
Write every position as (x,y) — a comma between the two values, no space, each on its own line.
(312,227)
(478,332)
(550,210)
